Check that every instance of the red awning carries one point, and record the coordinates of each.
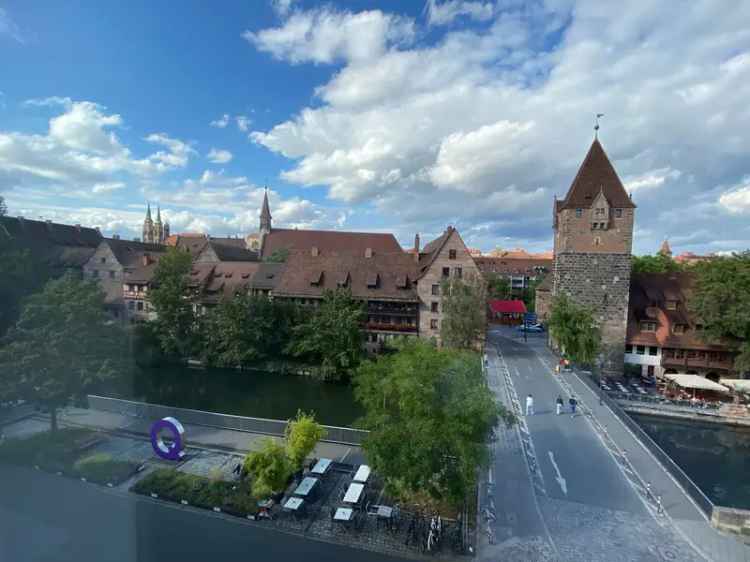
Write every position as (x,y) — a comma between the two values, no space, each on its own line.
(508,307)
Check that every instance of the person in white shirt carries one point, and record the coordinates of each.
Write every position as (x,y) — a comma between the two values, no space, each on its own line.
(529,405)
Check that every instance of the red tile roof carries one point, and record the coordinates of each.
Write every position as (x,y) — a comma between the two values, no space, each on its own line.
(595,174)
(329,241)
(513,266)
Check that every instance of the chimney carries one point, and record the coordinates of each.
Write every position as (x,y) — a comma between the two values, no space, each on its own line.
(368,252)
(314,251)
(416,243)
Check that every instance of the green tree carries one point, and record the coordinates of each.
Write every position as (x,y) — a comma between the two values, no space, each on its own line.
(302,434)
(464,304)
(62,344)
(246,329)
(658,263)
(175,322)
(722,303)
(269,468)
(574,330)
(277,256)
(429,412)
(332,336)
(498,287)
(529,294)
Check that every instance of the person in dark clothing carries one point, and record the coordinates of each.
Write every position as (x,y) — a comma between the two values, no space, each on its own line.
(559,404)
(573,403)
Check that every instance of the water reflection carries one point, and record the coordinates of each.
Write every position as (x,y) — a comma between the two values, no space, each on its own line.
(245,393)
(715,457)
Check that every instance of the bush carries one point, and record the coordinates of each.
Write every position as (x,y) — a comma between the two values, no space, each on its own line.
(302,434)
(102,469)
(270,467)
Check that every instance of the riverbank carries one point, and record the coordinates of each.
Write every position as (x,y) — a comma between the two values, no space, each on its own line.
(659,411)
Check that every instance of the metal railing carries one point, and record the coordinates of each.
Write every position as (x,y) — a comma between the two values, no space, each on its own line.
(690,487)
(334,434)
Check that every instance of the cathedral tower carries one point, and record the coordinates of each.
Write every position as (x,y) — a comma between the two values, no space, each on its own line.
(593,229)
(148,226)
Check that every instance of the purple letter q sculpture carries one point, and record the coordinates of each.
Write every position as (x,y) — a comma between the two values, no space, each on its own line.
(173,451)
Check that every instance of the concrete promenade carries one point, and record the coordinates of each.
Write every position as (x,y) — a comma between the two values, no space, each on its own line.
(581,498)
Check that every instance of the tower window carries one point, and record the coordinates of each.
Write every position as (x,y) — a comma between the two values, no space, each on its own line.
(579,213)
(618,213)
(451,254)
(597,241)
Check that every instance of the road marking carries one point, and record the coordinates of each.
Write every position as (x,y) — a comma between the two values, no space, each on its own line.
(560,480)
(349,450)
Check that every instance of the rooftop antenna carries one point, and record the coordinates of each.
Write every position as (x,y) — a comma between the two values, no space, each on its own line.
(596,127)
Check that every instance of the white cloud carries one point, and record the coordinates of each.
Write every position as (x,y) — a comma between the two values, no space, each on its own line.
(243,123)
(441,13)
(737,200)
(282,7)
(325,36)
(218,156)
(49,102)
(221,122)
(177,155)
(107,187)
(413,130)
(10,28)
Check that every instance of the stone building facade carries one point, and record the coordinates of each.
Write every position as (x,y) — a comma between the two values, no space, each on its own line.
(593,237)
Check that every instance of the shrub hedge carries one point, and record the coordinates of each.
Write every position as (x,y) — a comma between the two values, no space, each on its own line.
(102,469)
(53,452)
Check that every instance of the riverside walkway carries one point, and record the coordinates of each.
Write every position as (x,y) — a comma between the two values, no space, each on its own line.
(575,488)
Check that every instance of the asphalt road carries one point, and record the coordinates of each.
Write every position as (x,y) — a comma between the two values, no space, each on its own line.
(575,465)
(45,518)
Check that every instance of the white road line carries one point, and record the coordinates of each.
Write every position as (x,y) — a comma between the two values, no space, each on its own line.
(349,450)
(560,480)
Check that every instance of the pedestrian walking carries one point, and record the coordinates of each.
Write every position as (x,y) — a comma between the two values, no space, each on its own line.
(573,402)
(559,404)
(529,405)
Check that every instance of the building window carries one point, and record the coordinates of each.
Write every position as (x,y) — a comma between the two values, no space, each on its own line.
(436,289)
(111,274)
(678,354)
(628,348)
(640,350)
(446,271)
(618,213)
(648,326)
(679,328)
(451,254)
(140,305)
(599,212)
(434,324)
(131,305)
(458,272)
(103,260)
(650,368)
(94,273)
(579,213)
(597,241)
(652,350)
(434,307)
(671,305)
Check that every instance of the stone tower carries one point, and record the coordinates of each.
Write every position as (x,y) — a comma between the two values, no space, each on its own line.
(148,225)
(158,227)
(593,229)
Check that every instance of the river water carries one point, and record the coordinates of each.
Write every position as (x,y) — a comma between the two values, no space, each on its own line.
(245,393)
(716,457)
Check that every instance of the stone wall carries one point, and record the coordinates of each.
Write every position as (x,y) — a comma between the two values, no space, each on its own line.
(602,283)
(736,521)
(574,234)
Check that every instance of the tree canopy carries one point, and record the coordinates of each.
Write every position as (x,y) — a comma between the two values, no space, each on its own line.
(62,344)
(302,435)
(464,303)
(498,287)
(574,330)
(658,263)
(175,321)
(722,303)
(429,412)
(277,256)
(331,337)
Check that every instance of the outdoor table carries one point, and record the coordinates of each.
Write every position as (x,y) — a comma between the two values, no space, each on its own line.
(343,514)
(354,493)
(385,511)
(363,473)
(294,504)
(321,467)
(306,487)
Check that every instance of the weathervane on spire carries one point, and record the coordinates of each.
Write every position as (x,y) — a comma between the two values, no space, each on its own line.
(596,127)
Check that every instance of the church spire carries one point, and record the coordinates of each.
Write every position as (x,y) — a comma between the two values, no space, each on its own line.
(265,215)
(148,211)
(158,213)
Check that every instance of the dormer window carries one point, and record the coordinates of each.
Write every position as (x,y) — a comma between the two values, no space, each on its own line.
(316,278)
(579,213)
(618,213)
(648,326)
(599,212)
(671,305)
(679,329)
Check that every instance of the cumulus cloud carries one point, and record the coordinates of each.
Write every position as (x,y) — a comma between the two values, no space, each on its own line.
(282,7)
(441,13)
(737,200)
(325,35)
(10,28)
(218,156)
(413,128)
(243,123)
(221,122)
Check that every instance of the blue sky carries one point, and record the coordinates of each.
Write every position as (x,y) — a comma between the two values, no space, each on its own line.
(397,116)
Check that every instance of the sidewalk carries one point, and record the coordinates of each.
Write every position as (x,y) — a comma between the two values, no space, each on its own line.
(689,520)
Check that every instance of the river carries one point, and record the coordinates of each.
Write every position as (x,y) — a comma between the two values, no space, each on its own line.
(716,457)
(245,393)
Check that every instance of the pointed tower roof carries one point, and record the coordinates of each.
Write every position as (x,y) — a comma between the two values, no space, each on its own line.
(265,212)
(665,250)
(158,213)
(596,174)
(148,212)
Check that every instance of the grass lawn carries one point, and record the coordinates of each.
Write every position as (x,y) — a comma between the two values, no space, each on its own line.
(102,469)
(233,497)
(49,451)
